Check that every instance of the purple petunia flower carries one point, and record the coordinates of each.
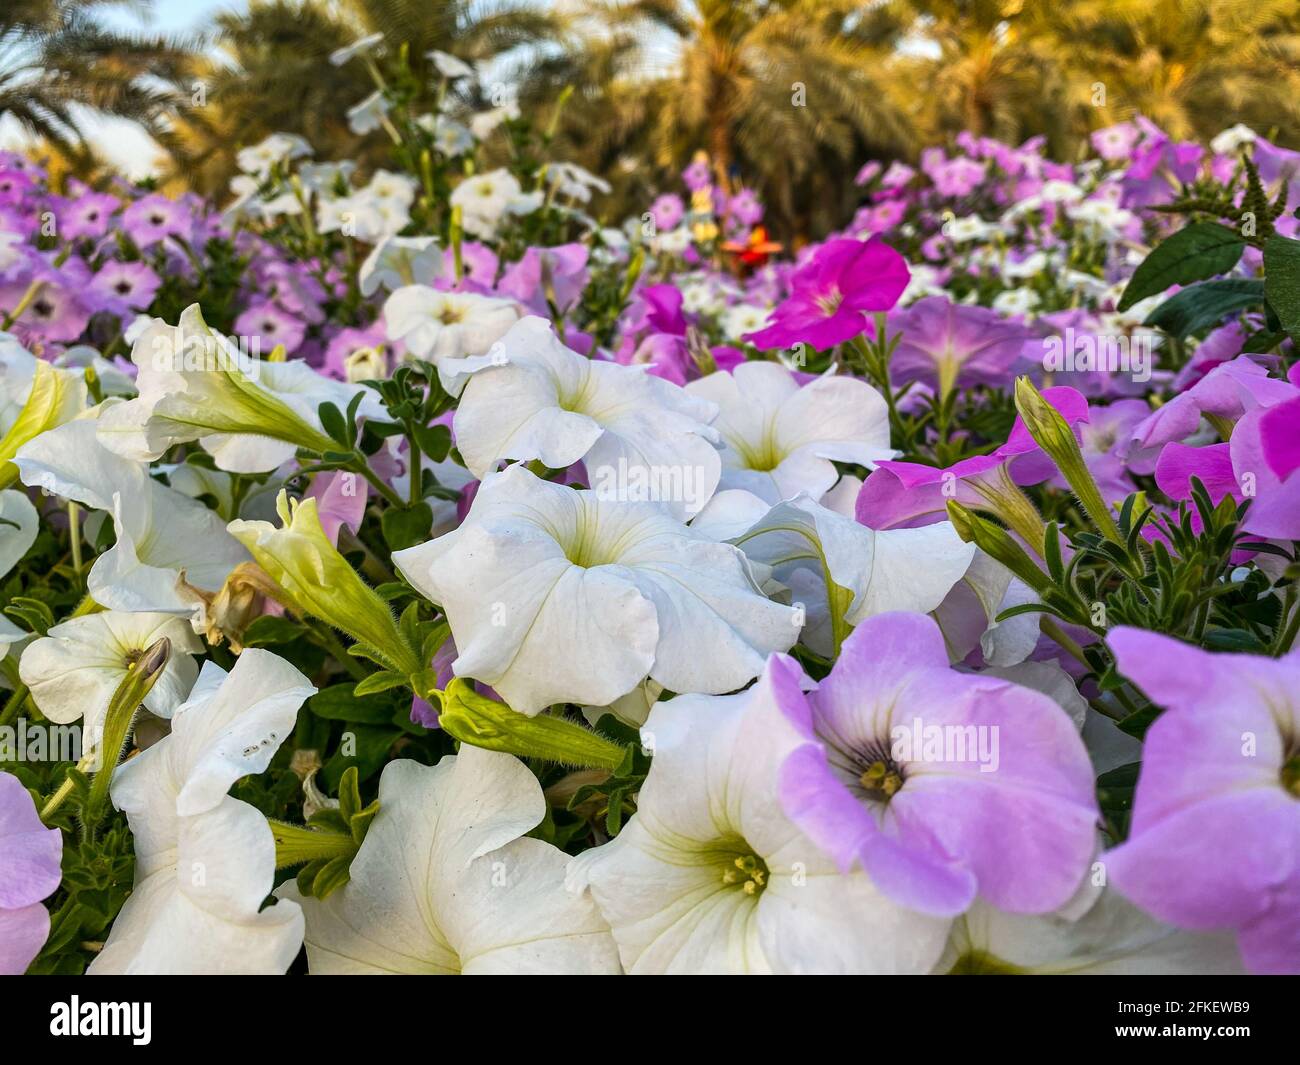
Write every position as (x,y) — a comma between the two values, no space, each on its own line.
(153,218)
(30,856)
(272,326)
(696,176)
(14,186)
(55,313)
(943,786)
(88,215)
(948,344)
(667,211)
(832,293)
(122,287)
(1215,838)
(563,268)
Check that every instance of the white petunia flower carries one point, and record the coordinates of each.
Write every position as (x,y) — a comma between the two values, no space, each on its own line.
(19,525)
(74,670)
(400,261)
(487,198)
(1016,301)
(324,177)
(640,437)
(449,66)
(1233,139)
(261,157)
(388,188)
(700,297)
(844,573)
(205,862)
(575,181)
(741,319)
(446,325)
(972,227)
(449,136)
(364,46)
(369,114)
(162,534)
(1097,933)
(555,595)
(195,384)
(779,438)
(483,123)
(445,882)
(710,876)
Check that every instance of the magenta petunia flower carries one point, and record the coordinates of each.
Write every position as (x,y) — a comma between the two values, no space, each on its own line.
(905,495)
(947,344)
(943,786)
(1215,837)
(1227,392)
(833,292)
(30,856)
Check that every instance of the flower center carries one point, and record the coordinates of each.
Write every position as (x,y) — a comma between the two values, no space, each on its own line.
(881,780)
(1291,774)
(450,315)
(830,303)
(763,456)
(748,872)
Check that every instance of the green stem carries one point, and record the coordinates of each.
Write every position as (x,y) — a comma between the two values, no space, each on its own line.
(74,531)
(297,844)
(14,704)
(324,637)
(362,467)
(28,298)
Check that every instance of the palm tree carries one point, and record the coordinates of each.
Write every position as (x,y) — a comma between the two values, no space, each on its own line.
(56,57)
(272,73)
(775,91)
(1193,66)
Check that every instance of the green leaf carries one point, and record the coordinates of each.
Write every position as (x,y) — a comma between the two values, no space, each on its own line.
(340,702)
(1205,304)
(334,424)
(434,441)
(405,527)
(269,630)
(378,682)
(366,748)
(332,876)
(1200,251)
(1282,281)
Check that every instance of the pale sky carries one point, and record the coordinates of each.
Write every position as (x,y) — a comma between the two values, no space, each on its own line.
(122,143)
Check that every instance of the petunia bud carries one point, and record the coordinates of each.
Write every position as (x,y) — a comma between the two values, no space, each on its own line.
(122,708)
(1053,434)
(319,582)
(482,722)
(996,542)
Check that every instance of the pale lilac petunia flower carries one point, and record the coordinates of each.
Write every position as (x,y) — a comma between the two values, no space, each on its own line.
(943,786)
(30,856)
(1215,838)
